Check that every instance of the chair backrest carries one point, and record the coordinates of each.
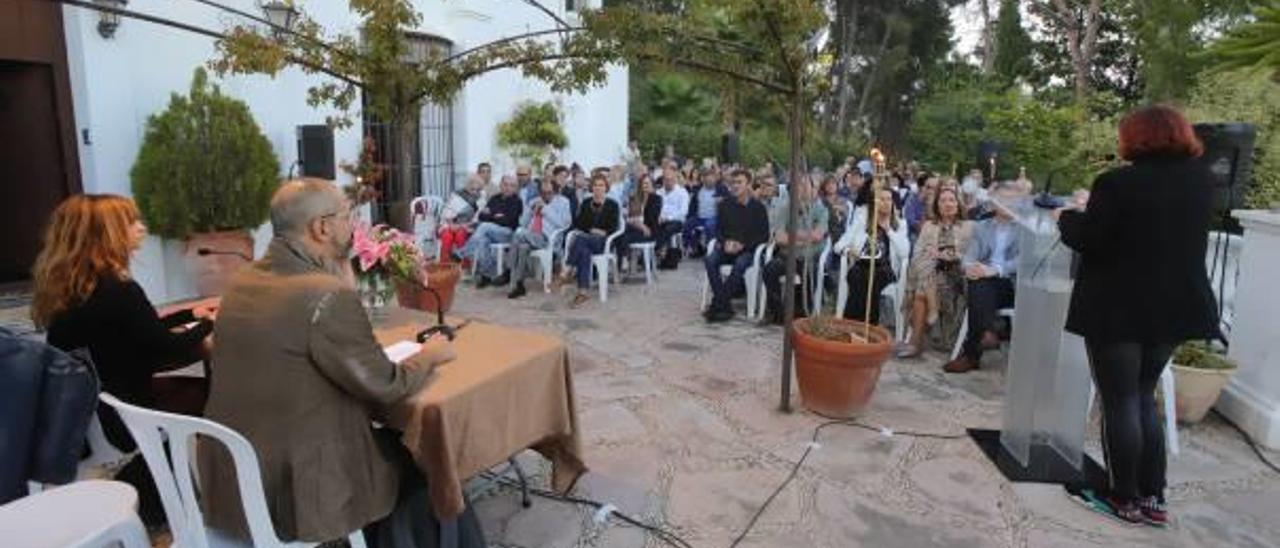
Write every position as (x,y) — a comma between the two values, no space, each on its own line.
(172,468)
(1222,259)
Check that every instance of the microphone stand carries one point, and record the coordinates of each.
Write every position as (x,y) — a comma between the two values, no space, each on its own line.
(449,331)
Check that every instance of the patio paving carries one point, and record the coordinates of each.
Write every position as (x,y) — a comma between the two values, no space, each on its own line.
(681,429)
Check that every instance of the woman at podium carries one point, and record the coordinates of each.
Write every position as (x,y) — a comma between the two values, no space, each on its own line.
(1141,289)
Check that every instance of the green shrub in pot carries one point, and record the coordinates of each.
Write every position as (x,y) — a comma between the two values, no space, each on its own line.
(1200,372)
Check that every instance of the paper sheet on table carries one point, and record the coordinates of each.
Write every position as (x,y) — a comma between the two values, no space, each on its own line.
(398,352)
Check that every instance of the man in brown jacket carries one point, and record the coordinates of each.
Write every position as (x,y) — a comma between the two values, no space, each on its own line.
(301,376)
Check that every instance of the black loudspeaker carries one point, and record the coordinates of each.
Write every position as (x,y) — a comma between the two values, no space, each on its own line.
(315,151)
(986,151)
(1228,152)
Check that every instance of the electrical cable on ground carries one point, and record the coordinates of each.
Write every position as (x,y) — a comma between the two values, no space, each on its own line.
(1252,444)
(813,444)
(674,540)
(662,534)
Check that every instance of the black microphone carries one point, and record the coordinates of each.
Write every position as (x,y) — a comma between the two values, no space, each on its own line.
(1046,200)
(204,251)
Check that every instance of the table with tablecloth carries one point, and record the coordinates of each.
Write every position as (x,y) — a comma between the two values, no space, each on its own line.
(507,390)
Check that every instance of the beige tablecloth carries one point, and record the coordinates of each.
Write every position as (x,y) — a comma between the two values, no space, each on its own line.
(507,391)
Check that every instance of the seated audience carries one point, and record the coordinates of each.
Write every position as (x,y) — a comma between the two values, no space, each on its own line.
(546,215)
(498,221)
(990,264)
(459,217)
(597,218)
(919,206)
(934,294)
(743,224)
(811,231)
(302,378)
(881,256)
(529,187)
(837,208)
(85,298)
(702,210)
(642,217)
(675,208)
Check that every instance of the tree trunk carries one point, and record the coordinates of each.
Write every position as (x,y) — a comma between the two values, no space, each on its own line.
(729,127)
(988,39)
(397,210)
(1082,41)
(846,70)
(875,67)
(795,128)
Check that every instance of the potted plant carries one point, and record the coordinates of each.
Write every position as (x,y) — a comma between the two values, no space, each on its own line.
(388,261)
(838,362)
(205,174)
(1200,372)
(533,132)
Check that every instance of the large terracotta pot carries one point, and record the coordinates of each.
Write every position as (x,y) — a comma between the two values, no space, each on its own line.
(837,378)
(224,253)
(443,277)
(1196,390)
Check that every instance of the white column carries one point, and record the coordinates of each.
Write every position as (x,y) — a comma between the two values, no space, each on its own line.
(1252,398)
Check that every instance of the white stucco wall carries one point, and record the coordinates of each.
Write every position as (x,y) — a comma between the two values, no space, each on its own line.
(117,83)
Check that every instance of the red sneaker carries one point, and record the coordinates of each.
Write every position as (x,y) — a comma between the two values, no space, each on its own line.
(1154,511)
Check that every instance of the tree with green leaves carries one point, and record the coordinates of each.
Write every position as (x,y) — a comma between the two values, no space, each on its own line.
(1254,44)
(204,165)
(533,132)
(1012,44)
(393,75)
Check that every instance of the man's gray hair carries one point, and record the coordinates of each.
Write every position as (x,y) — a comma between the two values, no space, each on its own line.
(299,201)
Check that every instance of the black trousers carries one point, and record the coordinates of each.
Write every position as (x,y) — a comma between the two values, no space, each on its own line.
(666,230)
(855,307)
(1132,433)
(986,297)
(773,272)
(413,523)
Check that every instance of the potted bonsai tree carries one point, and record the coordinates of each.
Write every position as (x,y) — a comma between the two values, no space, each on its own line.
(205,175)
(1200,371)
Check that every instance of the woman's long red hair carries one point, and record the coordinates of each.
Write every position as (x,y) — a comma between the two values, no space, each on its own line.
(1158,131)
(89,236)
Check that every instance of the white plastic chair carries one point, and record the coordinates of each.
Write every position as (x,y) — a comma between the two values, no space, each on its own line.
(602,263)
(964,329)
(173,471)
(751,278)
(893,291)
(423,209)
(84,514)
(646,251)
(545,257)
(1222,259)
(817,306)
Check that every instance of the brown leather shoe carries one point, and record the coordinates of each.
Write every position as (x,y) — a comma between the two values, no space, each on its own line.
(990,341)
(963,364)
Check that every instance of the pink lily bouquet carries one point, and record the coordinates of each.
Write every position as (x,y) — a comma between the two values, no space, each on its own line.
(382,255)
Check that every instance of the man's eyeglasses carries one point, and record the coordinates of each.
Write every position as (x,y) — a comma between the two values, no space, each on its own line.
(344,215)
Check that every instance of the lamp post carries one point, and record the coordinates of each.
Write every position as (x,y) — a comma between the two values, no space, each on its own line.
(108,21)
(281,14)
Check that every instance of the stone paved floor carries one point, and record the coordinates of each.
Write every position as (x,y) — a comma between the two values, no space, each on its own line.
(681,428)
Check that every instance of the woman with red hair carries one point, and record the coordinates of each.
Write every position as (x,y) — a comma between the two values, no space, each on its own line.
(86,298)
(1141,289)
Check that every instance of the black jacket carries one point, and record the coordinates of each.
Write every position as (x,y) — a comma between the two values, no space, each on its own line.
(1142,243)
(128,343)
(605,217)
(748,224)
(651,211)
(46,400)
(503,211)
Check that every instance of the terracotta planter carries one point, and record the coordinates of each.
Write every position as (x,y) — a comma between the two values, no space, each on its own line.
(443,277)
(1196,390)
(837,378)
(228,251)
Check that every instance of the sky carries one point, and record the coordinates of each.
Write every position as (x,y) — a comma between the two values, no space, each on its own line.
(967,19)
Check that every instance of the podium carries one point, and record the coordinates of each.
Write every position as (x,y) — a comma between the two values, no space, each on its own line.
(1048,385)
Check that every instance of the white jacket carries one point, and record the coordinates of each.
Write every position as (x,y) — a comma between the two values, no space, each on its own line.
(856,237)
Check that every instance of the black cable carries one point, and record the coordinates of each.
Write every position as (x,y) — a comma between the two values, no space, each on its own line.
(814,443)
(662,534)
(1248,439)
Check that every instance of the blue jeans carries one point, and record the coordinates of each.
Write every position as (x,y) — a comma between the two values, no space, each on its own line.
(706,226)
(477,248)
(584,246)
(721,289)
